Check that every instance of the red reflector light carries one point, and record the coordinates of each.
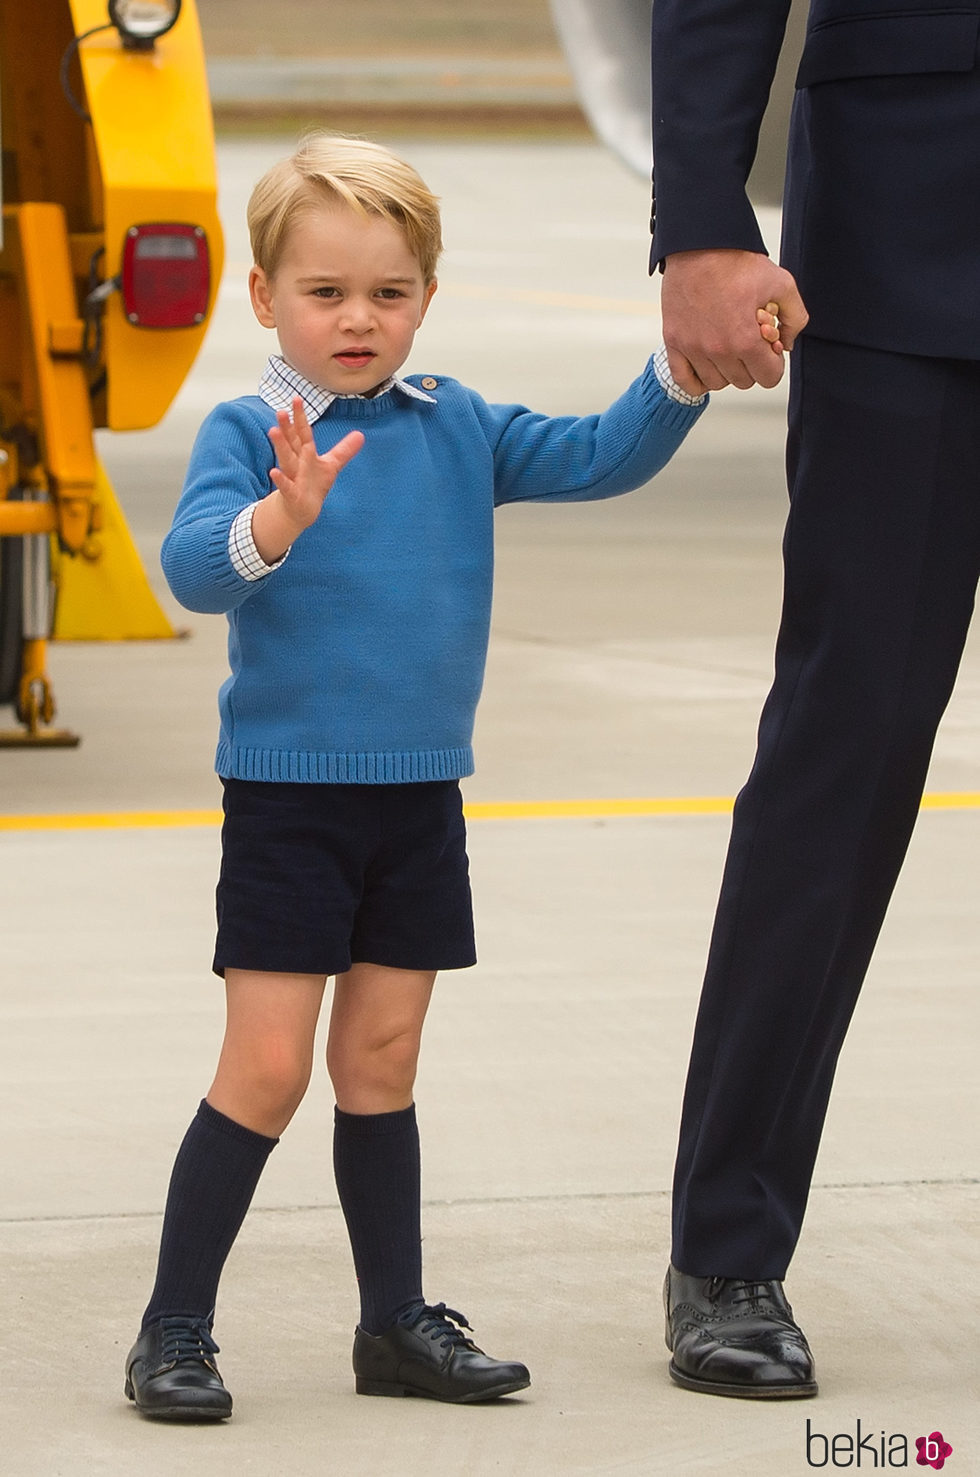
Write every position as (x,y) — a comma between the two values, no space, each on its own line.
(166,275)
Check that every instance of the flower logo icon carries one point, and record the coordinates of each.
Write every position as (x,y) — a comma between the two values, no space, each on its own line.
(933,1450)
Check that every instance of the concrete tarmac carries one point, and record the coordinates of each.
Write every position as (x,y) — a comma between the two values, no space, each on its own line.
(631,651)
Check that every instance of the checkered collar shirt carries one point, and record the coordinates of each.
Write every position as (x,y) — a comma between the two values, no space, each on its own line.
(280,383)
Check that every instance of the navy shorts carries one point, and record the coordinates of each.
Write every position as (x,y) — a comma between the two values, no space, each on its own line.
(315,878)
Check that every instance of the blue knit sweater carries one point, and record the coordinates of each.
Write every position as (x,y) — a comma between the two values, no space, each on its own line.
(360,658)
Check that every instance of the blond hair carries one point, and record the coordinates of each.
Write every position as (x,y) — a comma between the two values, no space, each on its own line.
(327,168)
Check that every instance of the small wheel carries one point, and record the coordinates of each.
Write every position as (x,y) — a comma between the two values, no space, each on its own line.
(35,707)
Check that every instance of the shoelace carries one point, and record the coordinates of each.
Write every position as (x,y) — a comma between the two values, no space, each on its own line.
(440,1323)
(186,1338)
(741,1290)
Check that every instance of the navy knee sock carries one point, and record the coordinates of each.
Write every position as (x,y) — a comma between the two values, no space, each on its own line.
(214,1178)
(378,1171)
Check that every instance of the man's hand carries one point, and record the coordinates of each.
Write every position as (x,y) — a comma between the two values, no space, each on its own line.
(710,300)
(301,480)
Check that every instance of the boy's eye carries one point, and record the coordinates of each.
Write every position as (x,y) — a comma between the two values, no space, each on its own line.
(390,293)
(325,292)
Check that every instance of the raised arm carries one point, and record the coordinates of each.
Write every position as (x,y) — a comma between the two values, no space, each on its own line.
(713,65)
(234,461)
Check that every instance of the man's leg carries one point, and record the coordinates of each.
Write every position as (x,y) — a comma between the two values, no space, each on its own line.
(882,553)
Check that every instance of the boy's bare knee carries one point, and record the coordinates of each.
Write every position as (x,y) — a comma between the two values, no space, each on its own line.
(279,1093)
(382,1065)
(267,1083)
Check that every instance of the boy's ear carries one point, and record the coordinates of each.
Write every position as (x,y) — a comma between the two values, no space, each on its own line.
(261,295)
(427,297)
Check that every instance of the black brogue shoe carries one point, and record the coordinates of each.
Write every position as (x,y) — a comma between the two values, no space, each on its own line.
(171,1374)
(735,1336)
(425,1352)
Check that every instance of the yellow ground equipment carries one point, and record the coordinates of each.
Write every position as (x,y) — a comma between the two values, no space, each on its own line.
(109,262)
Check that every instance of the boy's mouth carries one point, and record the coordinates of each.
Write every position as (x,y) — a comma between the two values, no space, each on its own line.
(355,358)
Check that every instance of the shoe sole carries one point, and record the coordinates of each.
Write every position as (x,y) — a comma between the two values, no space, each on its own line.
(177,1412)
(385,1387)
(742,1392)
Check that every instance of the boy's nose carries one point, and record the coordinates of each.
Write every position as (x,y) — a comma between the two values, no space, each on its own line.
(358,315)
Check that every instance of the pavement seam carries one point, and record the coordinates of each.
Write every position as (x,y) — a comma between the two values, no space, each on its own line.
(961,1182)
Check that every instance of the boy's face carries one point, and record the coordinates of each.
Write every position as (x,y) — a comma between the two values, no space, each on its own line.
(346,298)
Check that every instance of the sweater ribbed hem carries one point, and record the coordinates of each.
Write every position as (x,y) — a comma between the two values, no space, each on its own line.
(343,769)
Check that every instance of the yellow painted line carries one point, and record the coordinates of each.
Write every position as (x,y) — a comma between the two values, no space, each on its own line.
(476,810)
(506,810)
(111,820)
(951,800)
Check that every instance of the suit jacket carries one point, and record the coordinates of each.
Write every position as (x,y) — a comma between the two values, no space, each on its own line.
(881,222)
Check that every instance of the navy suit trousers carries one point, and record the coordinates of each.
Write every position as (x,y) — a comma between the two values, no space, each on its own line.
(882,557)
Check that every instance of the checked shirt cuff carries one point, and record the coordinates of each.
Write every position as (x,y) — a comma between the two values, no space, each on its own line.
(668,384)
(245,557)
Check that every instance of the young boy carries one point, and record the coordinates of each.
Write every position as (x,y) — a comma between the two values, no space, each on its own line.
(342,520)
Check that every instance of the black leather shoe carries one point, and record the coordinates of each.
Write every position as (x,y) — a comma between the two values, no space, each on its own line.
(732,1336)
(171,1373)
(426,1353)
